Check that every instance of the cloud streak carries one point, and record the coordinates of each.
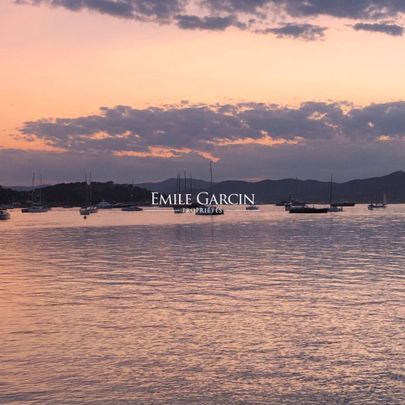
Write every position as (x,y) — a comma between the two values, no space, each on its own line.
(258,16)
(308,32)
(192,22)
(390,29)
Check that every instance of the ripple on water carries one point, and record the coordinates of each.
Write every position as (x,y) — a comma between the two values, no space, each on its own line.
(262,309)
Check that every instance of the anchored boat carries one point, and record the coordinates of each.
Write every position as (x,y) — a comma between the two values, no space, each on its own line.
(88,208)
(131,208)
(37,206)
(4,215)
(308,210)
(209,209)
(380,205)
(332,207)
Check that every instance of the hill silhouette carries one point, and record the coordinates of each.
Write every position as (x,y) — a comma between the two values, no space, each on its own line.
(266,191)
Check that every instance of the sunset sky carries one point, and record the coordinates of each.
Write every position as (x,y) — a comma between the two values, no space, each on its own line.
(144,89)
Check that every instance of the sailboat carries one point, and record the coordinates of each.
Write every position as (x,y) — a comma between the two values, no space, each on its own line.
(85,210)
(188,189)
(88,209)
(209,209)
(36,206)
(179,209)
(293,202)
(132,207)
(382,204)
(332,207)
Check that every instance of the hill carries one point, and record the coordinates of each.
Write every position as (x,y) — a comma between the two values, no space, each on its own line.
(266,191)
(75,193)
(272,191)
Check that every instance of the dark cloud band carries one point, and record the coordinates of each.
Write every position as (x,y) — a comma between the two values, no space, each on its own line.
(390,29)
(254,15)
(212,128)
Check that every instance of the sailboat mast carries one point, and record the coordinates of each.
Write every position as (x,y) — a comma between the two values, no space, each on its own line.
(331,189)
(86,190)
(178,184)
(191,185)
(40,189)
(33,187)
(90,181)
(211,173)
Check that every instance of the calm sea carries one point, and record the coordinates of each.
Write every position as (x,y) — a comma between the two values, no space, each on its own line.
(249,308)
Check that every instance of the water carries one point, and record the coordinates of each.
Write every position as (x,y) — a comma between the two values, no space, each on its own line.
(249,308)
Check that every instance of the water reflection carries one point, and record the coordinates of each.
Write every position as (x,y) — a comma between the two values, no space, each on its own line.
(243,309)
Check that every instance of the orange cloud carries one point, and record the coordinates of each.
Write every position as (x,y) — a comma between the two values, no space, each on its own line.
(264,140)
(161,152)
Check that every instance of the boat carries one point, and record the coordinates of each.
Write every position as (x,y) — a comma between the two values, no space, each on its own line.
(85,211)
(294,203)
(292,199)
(182,208)
(36,206)
(332,207)
(307,210)
(374,206)
(209,209)
(281,203)
(35,209)
(335,208)
(104,205)
(4,215)
(381,205)
(252,207)
(131,208)
(121,205)
(343,204)
(88,208)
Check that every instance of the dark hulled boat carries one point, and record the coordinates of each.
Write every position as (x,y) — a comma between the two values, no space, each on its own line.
(307,210)
(343,204)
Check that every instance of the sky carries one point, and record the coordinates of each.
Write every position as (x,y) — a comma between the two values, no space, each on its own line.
(143,89)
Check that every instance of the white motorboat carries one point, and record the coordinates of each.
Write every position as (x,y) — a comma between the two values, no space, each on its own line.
(381,205)
(104,205)
(334,208)
(374,206)
(85,211)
